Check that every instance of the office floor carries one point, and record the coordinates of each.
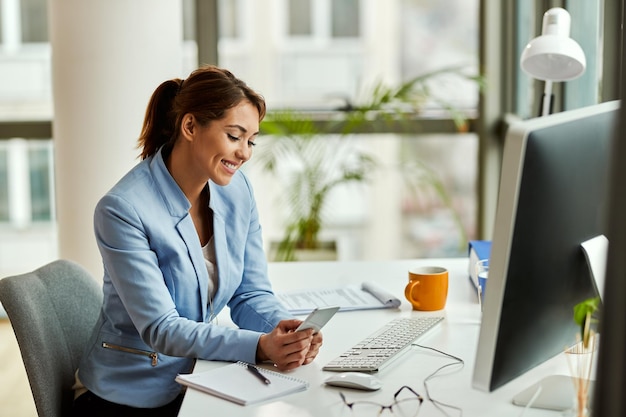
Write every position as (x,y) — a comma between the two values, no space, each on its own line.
(15,397)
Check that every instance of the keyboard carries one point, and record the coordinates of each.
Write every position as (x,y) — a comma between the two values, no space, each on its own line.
(387,343)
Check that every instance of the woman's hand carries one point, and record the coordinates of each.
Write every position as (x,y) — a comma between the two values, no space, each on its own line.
(286,348)
(314,348)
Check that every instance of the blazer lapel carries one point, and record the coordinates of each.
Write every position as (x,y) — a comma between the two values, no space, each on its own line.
(187,232)
(221,245)
(178,206)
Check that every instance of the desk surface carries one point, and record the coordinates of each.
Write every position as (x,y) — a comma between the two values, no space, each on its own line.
(458,335)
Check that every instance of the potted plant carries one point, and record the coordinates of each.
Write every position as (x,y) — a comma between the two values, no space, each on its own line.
(322,155)
(580,357)
(317,166)
(586,316)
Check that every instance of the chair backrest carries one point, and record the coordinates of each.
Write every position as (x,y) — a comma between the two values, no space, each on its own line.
(52,310)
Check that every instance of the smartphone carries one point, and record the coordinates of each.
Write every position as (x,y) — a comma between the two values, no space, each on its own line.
(318,318)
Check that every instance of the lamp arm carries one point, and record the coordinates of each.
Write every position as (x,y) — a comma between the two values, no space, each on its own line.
(546,101)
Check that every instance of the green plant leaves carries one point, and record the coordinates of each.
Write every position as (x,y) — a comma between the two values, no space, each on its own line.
(584,316)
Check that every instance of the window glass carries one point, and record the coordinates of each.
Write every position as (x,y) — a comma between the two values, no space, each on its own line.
(34,21)
(331,54)
(439,202)
(418,199)
(39,159)
(4,185)
(525,28)
(586,30)
(441,34)
(300,18)
(345,17)
(227,18)
(189,20)
(1,27)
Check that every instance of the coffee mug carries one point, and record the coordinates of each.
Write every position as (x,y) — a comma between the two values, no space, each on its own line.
(427,289)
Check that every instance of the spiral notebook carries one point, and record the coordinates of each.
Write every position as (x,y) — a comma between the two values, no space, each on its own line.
(234,382)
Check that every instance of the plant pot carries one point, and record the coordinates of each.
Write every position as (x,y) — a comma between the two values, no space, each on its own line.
(326,251)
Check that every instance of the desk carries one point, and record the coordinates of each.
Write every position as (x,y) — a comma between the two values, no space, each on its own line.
(457,335)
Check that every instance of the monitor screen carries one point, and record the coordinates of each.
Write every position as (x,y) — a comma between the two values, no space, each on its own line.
(552,197)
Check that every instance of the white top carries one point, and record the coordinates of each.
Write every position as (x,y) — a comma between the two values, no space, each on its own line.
(208,251)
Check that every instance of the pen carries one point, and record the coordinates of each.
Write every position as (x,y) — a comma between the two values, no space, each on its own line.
(258,374)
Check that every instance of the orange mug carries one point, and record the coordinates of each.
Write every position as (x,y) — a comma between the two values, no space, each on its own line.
(427,289)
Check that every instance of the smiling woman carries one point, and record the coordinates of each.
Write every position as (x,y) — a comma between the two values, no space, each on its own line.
(180,239)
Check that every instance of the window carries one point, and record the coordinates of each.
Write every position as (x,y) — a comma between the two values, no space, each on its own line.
(189,20)
(300,21)
(323,19)
(34,19)
(1,25)
(40,176)
(229,12)
(26,182)
(4,186)
(345,19)
(324,55)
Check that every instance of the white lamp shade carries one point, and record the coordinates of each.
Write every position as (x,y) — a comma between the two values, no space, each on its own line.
(554,56)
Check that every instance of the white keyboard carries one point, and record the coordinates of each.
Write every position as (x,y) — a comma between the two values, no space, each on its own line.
(387,343)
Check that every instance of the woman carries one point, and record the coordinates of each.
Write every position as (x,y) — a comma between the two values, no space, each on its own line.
(180,239)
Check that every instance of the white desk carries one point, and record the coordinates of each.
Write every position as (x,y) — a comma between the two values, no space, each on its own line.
(458,335)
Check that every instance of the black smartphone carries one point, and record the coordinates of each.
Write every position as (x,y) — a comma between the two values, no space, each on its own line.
(318,318)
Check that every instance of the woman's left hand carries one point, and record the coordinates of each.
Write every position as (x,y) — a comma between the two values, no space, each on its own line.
(314,348)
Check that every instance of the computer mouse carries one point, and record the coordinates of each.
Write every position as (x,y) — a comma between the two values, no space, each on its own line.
(356,380)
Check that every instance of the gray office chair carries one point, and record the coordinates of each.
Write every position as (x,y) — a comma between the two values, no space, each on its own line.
(52,311)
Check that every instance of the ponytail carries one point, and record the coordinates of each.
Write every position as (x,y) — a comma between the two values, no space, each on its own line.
(208,93)
(159,123)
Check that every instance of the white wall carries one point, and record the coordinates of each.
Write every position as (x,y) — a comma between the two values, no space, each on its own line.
(108,56)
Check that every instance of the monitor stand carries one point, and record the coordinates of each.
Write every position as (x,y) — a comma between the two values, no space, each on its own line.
(556,392)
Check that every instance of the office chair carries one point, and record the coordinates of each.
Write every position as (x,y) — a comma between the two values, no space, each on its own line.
(52,310)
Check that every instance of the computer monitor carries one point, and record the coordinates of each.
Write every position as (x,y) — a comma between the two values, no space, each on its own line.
(552,197)
(609,399)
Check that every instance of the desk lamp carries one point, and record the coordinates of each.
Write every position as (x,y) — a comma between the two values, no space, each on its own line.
(553,56)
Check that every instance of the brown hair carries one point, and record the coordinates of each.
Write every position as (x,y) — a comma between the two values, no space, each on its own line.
(207,93)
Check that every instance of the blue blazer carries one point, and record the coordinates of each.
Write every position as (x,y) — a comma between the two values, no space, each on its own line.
(155,316)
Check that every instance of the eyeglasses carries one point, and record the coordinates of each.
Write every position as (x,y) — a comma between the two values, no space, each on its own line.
(401,407)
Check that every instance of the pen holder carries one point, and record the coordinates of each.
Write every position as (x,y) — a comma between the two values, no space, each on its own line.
(580,362)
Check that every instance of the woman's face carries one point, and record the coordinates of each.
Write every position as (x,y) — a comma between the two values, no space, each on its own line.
(221,147)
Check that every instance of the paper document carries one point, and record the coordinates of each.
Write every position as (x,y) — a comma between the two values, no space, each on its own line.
(352,297)
(596,251)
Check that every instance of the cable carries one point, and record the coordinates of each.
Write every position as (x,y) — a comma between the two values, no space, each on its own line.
(437,403)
